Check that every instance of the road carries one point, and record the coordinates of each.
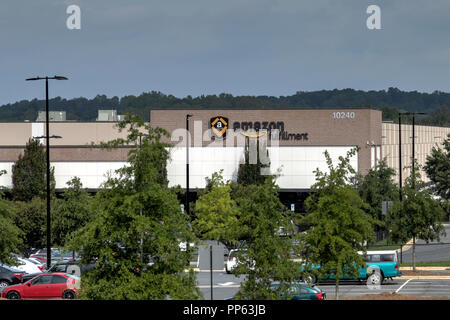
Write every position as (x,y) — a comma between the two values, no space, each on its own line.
(227,285)
(432,252)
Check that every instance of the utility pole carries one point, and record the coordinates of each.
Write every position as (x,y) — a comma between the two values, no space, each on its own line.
(48,230)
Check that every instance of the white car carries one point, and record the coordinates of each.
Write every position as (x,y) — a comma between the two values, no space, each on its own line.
(37,262)
(26,266)
(232,261)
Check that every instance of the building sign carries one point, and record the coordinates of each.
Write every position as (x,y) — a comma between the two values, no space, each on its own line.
(219,126)
(261,128)
(254,129)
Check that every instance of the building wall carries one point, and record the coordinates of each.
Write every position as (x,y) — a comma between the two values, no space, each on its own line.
(72,155)
(426,137)
(294,160)
(329,127)
(294,165)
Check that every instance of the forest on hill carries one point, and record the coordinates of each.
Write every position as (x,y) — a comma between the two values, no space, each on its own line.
(391,102)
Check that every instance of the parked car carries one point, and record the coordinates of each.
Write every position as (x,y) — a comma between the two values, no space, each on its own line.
(66,267)
(68,256)
(45,286)
(70,267)
(26,266)
(57,256)
(232,260)
(37,262)
(380,265)
(41,254)
(298,291)
(9,276)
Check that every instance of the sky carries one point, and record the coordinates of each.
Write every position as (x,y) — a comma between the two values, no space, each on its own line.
(241,47)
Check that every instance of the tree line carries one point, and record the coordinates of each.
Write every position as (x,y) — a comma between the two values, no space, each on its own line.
(390,102)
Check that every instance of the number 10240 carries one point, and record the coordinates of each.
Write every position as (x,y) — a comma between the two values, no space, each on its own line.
(343,115)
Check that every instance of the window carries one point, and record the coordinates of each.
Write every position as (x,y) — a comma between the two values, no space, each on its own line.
(387,258)
(42,280)
(60,268)
(58,279)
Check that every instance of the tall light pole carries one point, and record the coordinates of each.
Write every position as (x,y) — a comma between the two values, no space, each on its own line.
(140,189)
(47,136)
(400,179)
(413,143)
(187,162)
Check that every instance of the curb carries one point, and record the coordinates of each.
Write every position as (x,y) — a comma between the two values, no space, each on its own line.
(424,277)
(425,268)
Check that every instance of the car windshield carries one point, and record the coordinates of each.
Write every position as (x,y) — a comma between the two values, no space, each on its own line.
(29,260)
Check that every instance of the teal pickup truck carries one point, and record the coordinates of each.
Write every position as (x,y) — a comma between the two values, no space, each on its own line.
(380,265)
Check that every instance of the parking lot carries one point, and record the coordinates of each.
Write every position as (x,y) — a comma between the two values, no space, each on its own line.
(226,285)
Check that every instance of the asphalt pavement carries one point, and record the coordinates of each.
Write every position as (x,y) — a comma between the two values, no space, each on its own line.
(431,252)
(225,285)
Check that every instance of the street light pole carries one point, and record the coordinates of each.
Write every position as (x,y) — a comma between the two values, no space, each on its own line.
(187,162)
(140,209)
(413,158)
(400,182)
(48,230)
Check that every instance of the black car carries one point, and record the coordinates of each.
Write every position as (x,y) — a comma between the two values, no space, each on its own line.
(66,267)
(9,276)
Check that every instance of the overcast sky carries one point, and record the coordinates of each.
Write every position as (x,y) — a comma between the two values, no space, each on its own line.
(242,47)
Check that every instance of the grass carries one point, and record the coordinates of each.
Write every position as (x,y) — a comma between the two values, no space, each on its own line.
(383,245)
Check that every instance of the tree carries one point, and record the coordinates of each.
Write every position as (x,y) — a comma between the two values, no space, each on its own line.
(30,218)
(340,225)
(137,227)
(216,213)
(378,186)
(10,234)
(437,168)
(417,216)
(250,171)
(29,173)
(264,253)
(71,212)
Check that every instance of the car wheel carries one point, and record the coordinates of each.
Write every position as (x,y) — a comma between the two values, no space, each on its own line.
(13,295)
(69,294)
(375,279)
(310,279)
(3,285)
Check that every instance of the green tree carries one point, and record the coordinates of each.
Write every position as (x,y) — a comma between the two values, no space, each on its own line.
(30,218)
(264,254)
(340,225)
(378,186)
(417,216)
(389,113)
(29,173)
(10,234)
(137,220)
(71,212)
(437,168)
(250,172)
(216,213)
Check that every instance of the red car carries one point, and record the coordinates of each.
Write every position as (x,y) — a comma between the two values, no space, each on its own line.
(45,286)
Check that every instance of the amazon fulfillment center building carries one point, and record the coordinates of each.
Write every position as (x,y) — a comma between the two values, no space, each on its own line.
(296,141)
